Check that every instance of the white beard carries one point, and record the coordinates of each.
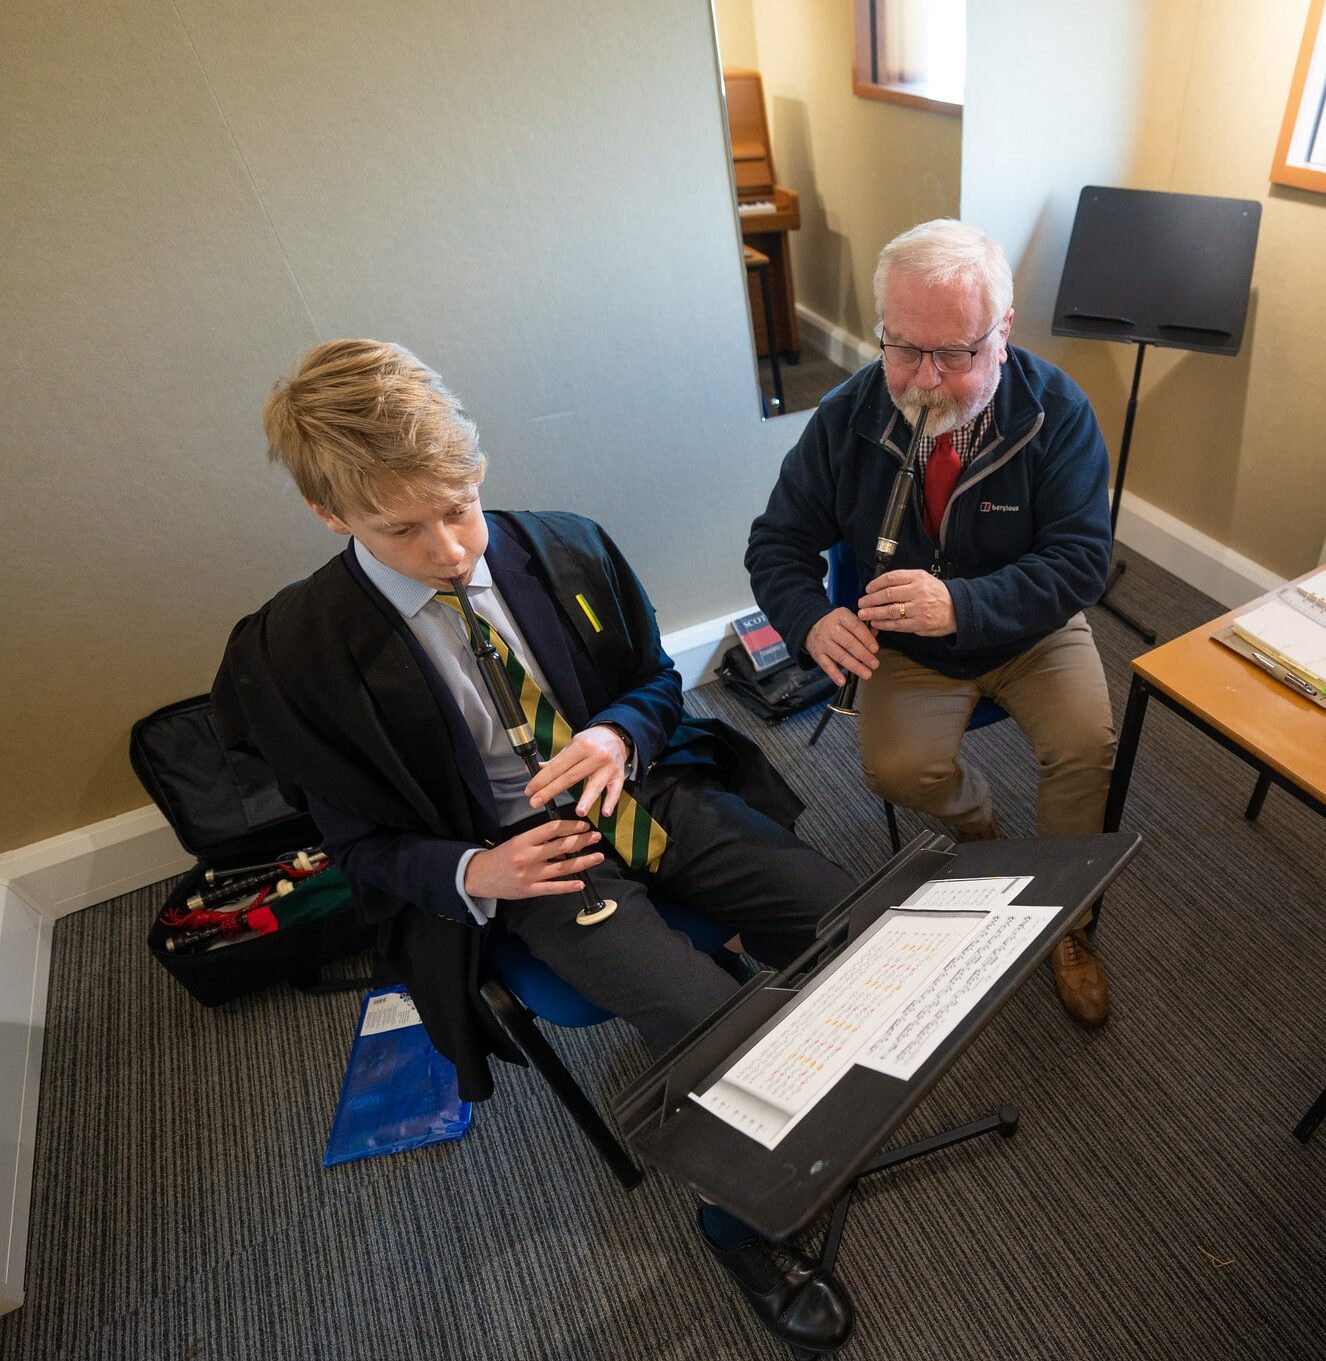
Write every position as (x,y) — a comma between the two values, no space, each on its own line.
(942,413)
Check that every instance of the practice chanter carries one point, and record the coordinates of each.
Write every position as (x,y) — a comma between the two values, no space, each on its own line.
(521,736)
(844,702)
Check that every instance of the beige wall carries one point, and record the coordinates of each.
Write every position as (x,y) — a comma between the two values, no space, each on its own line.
(735,22)
(534,197)
(1234,447)
(864,170)
(1183,96)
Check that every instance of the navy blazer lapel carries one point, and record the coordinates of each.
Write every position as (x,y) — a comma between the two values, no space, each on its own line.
(399,696)
(535,613)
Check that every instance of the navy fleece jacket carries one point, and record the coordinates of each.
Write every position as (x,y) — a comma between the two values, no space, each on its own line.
(1023,546)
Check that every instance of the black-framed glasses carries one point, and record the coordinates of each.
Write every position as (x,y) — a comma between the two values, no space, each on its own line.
(946,360)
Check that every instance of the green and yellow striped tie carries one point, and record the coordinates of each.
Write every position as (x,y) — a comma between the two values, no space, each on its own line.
(628,829)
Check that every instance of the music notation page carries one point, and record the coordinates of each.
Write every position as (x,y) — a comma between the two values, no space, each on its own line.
(887,1002)
(768,1091)
(918,1027)
(968,895)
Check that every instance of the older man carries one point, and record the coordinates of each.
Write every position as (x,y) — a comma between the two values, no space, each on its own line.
(1006,542)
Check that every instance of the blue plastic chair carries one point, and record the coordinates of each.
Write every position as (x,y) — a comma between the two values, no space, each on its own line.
(844,588)
(517,988)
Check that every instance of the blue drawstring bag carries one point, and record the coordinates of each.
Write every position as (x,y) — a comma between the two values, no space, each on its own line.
(398,1092)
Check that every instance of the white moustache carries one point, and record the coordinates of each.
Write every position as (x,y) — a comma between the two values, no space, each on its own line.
(942,413)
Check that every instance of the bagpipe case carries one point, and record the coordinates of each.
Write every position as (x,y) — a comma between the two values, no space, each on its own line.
(226,809)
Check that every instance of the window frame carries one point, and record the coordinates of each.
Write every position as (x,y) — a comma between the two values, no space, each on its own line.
(888,92)
(1288,167)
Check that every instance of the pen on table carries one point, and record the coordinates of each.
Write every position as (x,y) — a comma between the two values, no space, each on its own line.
(1283,673)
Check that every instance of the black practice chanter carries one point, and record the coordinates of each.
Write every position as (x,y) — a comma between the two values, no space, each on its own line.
(521,736)
(844,702)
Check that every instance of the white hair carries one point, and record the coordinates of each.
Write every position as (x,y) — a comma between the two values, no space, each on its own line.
(945,250)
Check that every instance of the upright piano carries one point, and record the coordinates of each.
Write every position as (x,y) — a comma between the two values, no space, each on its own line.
(768,211)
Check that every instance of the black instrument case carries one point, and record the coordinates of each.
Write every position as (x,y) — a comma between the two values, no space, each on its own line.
(226,809)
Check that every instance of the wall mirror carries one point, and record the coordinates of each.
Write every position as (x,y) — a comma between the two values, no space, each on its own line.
(822,177)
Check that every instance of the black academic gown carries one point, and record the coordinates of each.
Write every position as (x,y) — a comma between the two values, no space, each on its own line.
(329,686)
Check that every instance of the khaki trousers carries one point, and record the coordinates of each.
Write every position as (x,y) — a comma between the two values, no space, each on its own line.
(913,719)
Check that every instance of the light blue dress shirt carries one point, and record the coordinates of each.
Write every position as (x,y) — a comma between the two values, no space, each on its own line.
(440,631)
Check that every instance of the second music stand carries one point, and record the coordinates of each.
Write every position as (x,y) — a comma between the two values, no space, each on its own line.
(1147,268)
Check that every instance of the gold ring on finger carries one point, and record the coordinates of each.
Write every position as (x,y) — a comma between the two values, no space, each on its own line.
(902,610)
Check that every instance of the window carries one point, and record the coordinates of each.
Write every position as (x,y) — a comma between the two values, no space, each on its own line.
(1300,156)
(912,52)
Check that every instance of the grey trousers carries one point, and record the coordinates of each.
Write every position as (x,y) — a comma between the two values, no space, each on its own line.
(913,719)
(726,862)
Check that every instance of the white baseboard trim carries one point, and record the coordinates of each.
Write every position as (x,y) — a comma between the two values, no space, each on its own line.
(845,349)
(1192,556)
(76,869)
(697,650)
(66,873)
(73,871)
(25,966)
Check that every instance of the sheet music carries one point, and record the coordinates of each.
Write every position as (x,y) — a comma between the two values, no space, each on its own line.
(917,1029)
(968,895)
(767,1092)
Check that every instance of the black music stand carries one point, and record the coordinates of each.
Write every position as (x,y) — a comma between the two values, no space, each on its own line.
(818,1165)
(1148,268)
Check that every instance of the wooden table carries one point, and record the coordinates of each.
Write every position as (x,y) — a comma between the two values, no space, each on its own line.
(1280,734)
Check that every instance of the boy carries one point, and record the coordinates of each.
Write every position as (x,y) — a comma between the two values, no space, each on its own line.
(359,688)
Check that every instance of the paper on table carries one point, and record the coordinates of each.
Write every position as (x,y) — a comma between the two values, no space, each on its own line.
(767,1091)
(1291,637)
(917,1028)
(968,895)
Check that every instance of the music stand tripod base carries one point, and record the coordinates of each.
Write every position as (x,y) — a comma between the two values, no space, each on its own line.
(1117,569)
(1003,1122)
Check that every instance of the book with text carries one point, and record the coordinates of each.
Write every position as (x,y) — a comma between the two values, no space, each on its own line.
(762,643)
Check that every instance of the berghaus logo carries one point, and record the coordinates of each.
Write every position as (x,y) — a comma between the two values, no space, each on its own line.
(994,505)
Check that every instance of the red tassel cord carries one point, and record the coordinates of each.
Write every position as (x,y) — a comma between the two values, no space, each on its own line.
(197,927)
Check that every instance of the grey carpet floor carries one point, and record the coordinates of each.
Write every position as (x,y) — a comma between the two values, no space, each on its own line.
(804,382)
(1152,1205)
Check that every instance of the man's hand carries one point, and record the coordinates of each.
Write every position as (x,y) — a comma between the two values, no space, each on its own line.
(596,755)
(530,865)
(909,602)
(840,641)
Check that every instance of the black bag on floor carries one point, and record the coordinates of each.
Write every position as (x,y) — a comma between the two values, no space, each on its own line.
(775,694)
(226,809)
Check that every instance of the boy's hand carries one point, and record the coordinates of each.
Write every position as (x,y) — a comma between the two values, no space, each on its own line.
(531,866)
(597,755)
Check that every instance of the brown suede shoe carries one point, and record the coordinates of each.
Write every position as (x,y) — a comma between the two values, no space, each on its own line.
(989,832)
(1080,980)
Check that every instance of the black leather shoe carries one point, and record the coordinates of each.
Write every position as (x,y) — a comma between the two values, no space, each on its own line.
(797,1302)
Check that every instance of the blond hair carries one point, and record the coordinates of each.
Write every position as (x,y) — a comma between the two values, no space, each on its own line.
(945,250)
(361,424)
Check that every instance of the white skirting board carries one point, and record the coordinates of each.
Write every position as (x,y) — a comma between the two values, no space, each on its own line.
(846,350)
(25,964)
(89,865)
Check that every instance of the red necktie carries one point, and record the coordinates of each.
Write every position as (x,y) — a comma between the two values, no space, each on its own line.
(941,476)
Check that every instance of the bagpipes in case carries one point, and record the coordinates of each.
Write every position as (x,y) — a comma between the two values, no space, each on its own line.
(261,906)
